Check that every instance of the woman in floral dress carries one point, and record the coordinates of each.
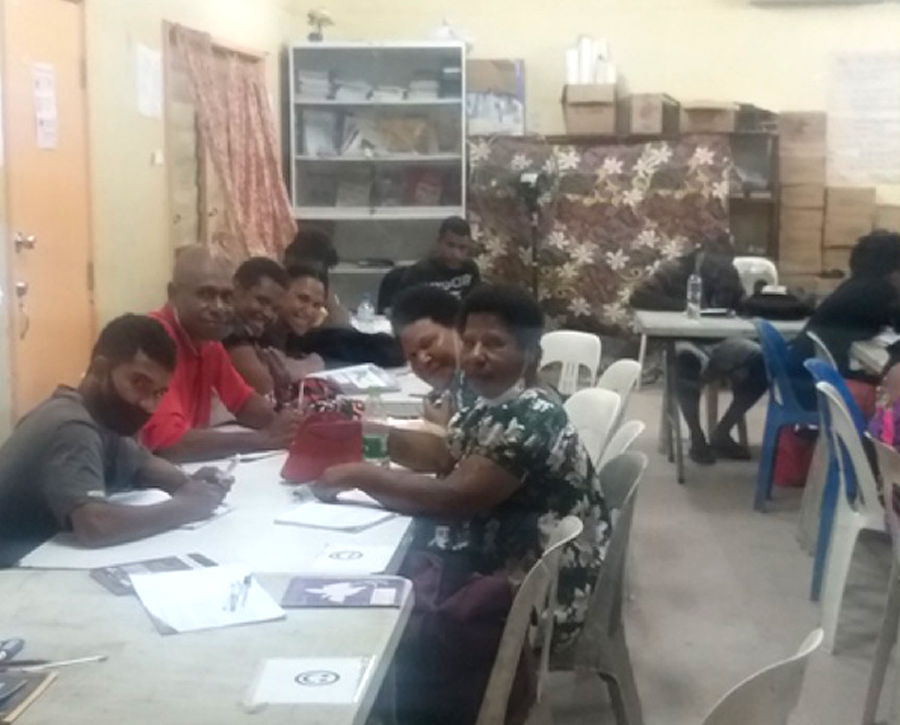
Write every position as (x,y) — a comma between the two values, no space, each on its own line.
(512,467)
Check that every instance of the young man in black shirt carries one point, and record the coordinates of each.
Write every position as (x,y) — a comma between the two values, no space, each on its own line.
(65,457)
(450,265)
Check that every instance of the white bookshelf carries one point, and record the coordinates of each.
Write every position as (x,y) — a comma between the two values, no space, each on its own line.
(394,159)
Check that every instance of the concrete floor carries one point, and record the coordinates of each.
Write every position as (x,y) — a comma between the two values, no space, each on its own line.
(719,591)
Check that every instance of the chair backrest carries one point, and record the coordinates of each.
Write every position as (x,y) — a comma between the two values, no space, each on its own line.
(771,695)
(822,351)
(753,269)
(619,480)
(594,412)
(572,350)
(536,593)
(775,353)
(622,440)
(621,377)
(822,372)
(854,465)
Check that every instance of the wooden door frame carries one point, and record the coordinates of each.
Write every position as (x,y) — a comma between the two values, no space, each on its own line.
(8,413)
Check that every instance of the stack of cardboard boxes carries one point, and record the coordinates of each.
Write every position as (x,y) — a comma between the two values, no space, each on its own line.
(849,214)
(802,177)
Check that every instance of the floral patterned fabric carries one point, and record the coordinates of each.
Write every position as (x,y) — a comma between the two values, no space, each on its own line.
(531,438)
(619,211)
(237,124)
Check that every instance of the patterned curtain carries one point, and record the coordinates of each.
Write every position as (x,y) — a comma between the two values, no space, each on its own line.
(620,210)
(238,127)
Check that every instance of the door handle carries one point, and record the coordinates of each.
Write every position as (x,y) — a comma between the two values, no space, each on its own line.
(21,294)
(23,241)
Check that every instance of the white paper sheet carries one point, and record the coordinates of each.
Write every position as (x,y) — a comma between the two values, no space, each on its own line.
(358,498)
(864,119)
(186,601)
(148,80)
(151,496)
(344,560)
(310,680)
(46,115)
(333,516)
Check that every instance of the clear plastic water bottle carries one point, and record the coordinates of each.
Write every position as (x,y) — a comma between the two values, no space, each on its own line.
(374,430)
(366,311)
(694,291)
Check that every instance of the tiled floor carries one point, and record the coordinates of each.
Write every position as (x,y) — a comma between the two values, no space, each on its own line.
(719,591)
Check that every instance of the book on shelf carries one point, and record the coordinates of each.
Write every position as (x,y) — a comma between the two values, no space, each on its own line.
(319,132)
(314,85)
(388,93)
(390,188)
(355,189)
(424,187)
(351,91)
(317,189)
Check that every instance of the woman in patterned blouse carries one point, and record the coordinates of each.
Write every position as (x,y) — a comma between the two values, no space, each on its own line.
(511,468)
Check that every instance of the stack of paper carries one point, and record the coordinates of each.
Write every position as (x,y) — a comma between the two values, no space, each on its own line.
(423,90)
(360,379)
(313,84)
(312,680)
(318,515)
(151,496)
(352,91)
(220,596)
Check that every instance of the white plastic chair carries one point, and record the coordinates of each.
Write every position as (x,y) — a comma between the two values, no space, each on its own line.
(594,412)
(537,593)
(753,269)
(889,466)
(771,695)
(572,350)
(621,377)
(621,441)
(808,524)
(601,649)
(850,517)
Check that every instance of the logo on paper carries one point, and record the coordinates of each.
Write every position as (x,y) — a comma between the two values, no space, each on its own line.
(317,678)
(346,555)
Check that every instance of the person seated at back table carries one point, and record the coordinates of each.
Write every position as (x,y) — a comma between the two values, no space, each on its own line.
(262,290)
(860,308)
(196,317)
(66,455)
(312,248)
(511,468)
(424,321)
(450,265)
(698,363)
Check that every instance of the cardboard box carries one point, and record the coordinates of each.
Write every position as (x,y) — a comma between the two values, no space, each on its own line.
(802,170)
(803,196)
(844,230)
(802,133)
(806,223)
(590,109)
(887,216)
(836,259)
(850,201)
(708,117)
(800,241)
(649,113)
(798,259)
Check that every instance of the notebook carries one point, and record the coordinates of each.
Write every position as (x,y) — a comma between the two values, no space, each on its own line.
(218,596)
(118,578)
(330,592)
(18,690)
(317,515)
(359,379)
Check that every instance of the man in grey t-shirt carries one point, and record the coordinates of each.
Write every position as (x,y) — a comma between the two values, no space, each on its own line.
(67,454)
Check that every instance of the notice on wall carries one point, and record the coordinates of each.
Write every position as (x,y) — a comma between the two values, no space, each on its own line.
(46,113)
(148,81)
(864,119)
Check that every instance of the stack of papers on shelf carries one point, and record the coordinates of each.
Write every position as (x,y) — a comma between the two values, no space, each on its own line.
(220,596)
(359,379)
(352,90)
(388,93)
(423,89)
(317,515)
(313,85)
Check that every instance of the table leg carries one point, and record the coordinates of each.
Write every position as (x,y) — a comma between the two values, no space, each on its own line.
(886,640)
(673,413)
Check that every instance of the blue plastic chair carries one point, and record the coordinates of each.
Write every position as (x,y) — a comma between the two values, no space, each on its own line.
(822,372)
(784,408)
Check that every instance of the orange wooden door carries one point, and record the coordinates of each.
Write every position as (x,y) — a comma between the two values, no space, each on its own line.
(47,196)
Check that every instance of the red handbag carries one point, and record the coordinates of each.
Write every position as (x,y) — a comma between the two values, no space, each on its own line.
(324,439)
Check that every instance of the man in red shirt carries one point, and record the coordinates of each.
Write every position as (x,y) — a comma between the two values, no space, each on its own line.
(197,317)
